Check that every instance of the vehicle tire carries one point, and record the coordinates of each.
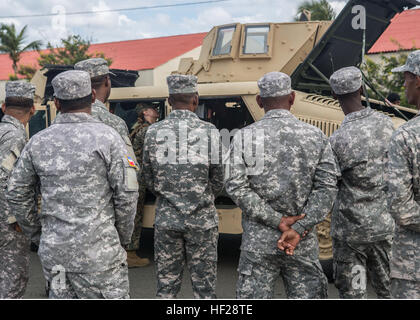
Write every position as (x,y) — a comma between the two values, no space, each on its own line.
(327,267)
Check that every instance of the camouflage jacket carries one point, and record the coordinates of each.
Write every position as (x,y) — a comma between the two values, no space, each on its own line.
(101,113)
(12,140)
(186,182)
(360,212)
(298,175)
(404,200)
(137,137)
(89,194)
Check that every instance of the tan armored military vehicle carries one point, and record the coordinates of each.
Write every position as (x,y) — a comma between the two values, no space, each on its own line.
(233,57)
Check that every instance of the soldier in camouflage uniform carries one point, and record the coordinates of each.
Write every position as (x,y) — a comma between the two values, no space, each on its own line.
(147,116)
(286,198)
(185,181)
(89,196)
(101,83)
(14,246)
(404,192)
(361,225)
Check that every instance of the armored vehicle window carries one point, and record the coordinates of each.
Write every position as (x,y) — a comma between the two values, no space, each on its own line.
(256,39)
(38,122)
(224,40)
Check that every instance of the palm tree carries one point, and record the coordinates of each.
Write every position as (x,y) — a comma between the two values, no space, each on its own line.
(12,43)
(320,10)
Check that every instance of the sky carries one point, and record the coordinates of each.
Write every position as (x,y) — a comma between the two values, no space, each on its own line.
(139,24)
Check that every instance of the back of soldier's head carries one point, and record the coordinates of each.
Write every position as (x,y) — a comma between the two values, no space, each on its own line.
(275,90)
(182,89)
(346,83)
(98,70)
(19,96)
(73,90)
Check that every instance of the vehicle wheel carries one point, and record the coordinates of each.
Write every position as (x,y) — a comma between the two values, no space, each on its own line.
(327,267)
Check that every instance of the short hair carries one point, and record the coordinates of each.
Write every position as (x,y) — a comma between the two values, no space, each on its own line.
(394,97)
(349,95)
(273,101)
(98,81)
(184,98)
(19,103)
(76,104)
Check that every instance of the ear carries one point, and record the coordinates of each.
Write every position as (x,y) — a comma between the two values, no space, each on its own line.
(196,100)
(93,95)
(292,98)
(57,104)
(108,82)
(417,82)
(3,108)
(32,111)
(259,101)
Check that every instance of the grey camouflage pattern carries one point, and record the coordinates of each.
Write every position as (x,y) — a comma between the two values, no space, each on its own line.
(199,249)
(89,194)
(412,64)
(346,80)
(95,67)
(185,192)
(275,84)
(108,284)
(12,140)
(20,89)
(404,200)
(101,113)
(14,262)
(258,273)
(366,261)
(404,289)
(360,212)
(72,85)
(137,136)
(299,176)
(179,83)
(14,246)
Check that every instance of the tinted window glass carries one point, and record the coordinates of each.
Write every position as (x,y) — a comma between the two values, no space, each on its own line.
(224,40)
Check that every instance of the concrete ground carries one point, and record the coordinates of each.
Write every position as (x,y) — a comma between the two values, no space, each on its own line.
(143,282)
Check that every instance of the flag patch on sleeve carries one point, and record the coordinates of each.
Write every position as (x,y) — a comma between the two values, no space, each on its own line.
(131,162)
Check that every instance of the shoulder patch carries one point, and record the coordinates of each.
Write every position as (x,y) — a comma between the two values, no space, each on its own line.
(131,162)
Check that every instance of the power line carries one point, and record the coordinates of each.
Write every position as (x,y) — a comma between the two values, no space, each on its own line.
(115,10)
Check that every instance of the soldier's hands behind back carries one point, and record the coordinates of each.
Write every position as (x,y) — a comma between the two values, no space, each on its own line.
(289,241)
(287,222)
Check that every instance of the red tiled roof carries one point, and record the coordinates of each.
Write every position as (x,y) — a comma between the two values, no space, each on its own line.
(404,28)
(140,54)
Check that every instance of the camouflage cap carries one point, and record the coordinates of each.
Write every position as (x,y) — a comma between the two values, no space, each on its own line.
(20,89)
(178,83)
(275,84)
(412,65)
(95,66)
(346,80)
(72,85)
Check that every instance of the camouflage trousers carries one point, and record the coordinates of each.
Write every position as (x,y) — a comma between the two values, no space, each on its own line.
(405,289)
(354,263)
(135,238)
(14,262)
(258,273)
(110,284)
(199,249)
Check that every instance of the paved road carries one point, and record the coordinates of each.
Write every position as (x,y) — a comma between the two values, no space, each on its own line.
(142,280)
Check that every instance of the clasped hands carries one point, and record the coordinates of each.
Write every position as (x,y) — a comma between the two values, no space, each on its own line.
(289,238)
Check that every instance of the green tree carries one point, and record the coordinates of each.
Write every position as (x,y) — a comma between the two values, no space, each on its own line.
(381,77)
(319,9)
(72,50)
(12,43)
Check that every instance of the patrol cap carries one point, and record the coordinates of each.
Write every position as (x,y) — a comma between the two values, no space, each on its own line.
(178,83)
(275,84)
(95,66)
(346,80)
(412,65)
(72,85)
(20,89)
